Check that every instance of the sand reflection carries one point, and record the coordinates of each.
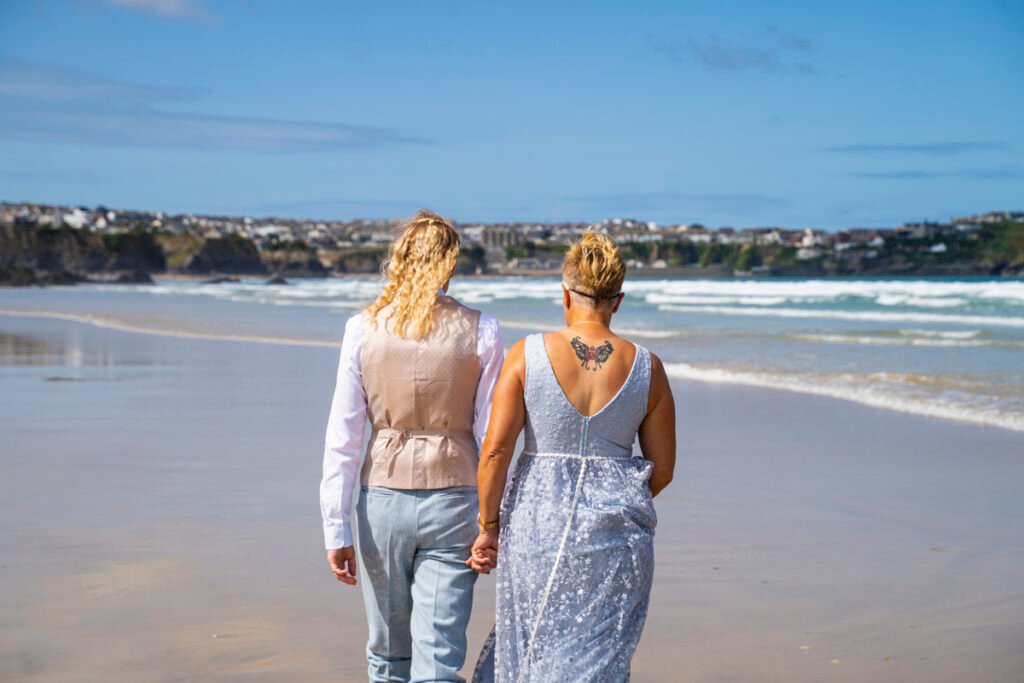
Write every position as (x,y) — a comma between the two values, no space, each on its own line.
(17,349)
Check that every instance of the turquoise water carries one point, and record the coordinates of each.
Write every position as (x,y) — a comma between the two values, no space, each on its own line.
(941,347)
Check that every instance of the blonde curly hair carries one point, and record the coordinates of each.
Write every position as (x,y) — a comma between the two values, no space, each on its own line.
(593,267)
(421,259)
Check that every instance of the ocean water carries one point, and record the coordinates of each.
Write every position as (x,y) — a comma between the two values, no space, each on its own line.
(939,347)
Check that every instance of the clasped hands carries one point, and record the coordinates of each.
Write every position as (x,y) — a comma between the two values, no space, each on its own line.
(483,556)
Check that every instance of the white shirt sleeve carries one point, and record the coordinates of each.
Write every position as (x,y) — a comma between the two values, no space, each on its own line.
(343,444)
(492,354)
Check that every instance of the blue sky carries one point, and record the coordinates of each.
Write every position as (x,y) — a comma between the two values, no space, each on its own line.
(727,113)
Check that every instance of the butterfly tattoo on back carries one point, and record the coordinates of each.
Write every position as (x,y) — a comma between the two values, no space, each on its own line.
(597,355)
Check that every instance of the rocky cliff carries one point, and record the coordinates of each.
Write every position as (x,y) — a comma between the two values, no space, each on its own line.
(48,249)
(295,261)
(195,255)
(30,255)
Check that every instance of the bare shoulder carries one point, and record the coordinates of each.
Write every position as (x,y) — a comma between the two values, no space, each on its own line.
(658,375)
(516,356)
(518,349)
(659,388)
(657,367)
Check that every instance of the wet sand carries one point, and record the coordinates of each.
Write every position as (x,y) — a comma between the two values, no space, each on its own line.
(159,522)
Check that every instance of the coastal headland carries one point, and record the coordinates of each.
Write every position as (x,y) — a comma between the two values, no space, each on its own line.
(41,244)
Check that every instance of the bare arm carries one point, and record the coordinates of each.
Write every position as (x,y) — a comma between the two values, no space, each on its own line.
(508,414)
(658,430)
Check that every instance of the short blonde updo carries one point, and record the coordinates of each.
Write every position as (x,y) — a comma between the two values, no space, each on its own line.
(421,259)
(594,267)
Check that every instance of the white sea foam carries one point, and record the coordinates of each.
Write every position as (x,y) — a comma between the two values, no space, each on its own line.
(876,390)
(919,301)
(883,316)
(888,293)
(662,298)
(942,334)
(994,303)
(651,334)
(911,337)
(624,331)
(869,340)
(1008,290)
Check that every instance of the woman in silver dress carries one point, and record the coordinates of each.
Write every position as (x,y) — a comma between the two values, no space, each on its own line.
(572,537)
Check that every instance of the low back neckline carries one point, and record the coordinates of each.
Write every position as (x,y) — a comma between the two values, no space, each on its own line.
(565,396)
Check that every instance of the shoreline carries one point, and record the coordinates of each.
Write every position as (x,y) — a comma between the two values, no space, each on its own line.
(677,371)
(97,321)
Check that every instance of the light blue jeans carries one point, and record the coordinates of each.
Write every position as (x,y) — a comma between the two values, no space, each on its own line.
(417,589)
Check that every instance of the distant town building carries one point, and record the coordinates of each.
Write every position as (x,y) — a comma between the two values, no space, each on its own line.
(502,241)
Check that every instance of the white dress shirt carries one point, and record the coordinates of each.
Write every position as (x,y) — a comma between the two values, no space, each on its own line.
(343,445)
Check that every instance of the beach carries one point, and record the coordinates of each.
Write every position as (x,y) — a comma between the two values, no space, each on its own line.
(160,516)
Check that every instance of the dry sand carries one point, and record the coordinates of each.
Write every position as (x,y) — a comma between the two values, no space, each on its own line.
(159,522)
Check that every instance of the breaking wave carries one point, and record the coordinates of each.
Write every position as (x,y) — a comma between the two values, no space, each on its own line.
(928,397)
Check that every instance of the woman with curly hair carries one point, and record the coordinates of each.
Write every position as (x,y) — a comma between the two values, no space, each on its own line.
(421,367)
(574,531)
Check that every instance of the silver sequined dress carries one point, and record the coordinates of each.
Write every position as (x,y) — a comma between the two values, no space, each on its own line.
(577,527)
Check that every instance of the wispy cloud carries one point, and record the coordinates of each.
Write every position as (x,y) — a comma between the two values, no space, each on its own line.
(970,174)
(776,50)
(790,40)
(899,175)
(55,104)
(59,84)
(148,128)
(938,148)
(181,10)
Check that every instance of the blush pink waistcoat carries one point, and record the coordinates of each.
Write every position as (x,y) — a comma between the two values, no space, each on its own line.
(420,395)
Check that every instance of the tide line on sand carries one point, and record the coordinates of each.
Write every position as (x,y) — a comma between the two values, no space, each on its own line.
(127,326)
(864,395)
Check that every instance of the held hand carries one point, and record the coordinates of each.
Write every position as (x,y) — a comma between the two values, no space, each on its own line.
(483,556)
(483,560)
(343,563)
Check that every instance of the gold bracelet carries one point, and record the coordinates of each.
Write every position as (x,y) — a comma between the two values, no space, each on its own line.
(486,525)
